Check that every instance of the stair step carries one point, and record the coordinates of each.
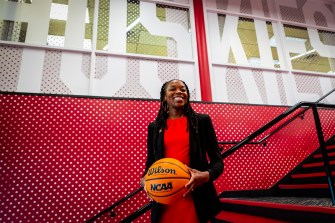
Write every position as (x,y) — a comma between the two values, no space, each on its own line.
(283,212)
(317,164)
(320,155)
(309,175)
(234,217)
(319,209)
(303,186)
(314,169)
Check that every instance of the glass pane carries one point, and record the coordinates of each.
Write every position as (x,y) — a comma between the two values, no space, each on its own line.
(273,45)
(89,24)
(310,60)
(247,35)
(13,31)
(139,40)
(21,1)
(103,25)
(58,20)
(58,17)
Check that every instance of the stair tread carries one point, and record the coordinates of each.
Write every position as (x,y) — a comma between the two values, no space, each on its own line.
(315,164)
(284,206)
(234,217)
(306,201)
(319,155)
(307,175)
(302,186)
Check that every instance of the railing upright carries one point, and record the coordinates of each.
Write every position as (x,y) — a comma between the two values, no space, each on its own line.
(324,152)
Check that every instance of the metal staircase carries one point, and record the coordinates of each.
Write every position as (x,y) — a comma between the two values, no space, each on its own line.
(312,177)
(303,195)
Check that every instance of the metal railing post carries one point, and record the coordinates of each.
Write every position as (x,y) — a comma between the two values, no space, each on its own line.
(324,152)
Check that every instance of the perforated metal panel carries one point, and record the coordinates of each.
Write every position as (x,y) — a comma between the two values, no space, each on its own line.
(281,87)
(293,14)
(41,70)
(86,64)
(296,14)
(134,86)
(222,4)
(237,90)
(51,80)
(101,66)
(235,93)
(308,83)
(65,159)
(246,42)
(51,83)
(10,61)
(266,8)
(243,7)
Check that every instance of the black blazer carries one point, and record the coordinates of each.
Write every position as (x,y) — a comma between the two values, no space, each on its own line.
(203,143)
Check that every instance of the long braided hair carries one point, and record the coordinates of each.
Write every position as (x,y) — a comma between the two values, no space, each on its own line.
(160,121)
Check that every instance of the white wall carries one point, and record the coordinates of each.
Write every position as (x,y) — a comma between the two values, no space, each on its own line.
(76,63)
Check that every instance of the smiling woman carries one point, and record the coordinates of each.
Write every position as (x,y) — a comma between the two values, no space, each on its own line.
(179,132)
(176,96)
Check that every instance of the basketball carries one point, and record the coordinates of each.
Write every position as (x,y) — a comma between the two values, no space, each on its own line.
(165,180)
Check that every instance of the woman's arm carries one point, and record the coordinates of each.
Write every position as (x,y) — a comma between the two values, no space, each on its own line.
(216,163)
(150,148)
(210,145)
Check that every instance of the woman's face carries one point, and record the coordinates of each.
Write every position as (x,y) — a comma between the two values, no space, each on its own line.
(176,94)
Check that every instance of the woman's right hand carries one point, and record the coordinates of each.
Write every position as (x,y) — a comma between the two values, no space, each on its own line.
(142,182)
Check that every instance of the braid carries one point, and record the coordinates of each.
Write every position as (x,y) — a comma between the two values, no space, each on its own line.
(160,120)
(162,112)
(189,112)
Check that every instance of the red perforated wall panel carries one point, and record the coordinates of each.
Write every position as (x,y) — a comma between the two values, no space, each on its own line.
(64,159)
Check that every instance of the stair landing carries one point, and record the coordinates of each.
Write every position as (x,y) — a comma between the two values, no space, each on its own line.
(313,210)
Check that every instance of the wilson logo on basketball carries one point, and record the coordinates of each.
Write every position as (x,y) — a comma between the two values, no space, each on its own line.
(166,179)
(159,169)
(160,187)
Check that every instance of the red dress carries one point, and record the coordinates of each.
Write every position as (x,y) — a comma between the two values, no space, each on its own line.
(176,144)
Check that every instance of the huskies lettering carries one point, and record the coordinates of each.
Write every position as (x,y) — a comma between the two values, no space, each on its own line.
(159,187)
(160,170)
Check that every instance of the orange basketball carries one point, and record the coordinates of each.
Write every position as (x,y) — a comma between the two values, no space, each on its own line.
(165,180)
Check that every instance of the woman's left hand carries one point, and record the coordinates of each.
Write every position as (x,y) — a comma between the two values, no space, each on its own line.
(197,178)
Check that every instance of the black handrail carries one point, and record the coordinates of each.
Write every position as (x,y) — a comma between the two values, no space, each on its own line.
(263,140)
(110,209)
(324,153)
(314,106)
(253,135)
(231,150)
(324,96)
